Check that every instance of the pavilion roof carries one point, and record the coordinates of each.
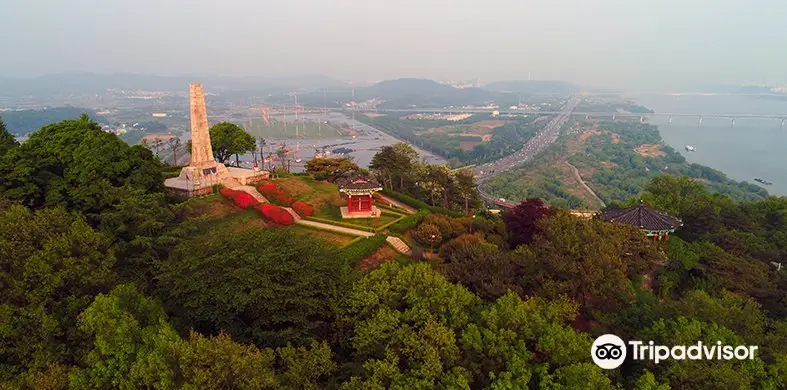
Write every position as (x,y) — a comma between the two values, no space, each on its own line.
(358,182)
(642,217)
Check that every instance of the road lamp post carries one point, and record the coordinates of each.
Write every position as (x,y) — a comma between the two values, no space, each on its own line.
(431,243)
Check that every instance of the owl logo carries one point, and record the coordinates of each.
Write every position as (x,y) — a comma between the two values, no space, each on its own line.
(608,351)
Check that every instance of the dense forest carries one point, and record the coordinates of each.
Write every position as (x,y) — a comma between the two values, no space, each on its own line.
(108,281)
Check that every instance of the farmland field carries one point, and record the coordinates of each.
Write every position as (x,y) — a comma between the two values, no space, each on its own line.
(305,129)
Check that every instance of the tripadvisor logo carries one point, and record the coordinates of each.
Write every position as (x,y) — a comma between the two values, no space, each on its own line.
(609,351)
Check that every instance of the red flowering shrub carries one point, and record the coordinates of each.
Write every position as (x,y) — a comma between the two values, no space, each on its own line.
(302,208)
(271,191)
(284,199)
(268,188)
(275,214)
(241,199)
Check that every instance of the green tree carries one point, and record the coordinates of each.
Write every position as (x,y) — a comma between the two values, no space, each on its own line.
(480,267)
(705,374)
(648,382)
(265,286)
(76,165)
(331,168)
(7,141)
(383,165)
(408,339)
(674,195)
(591,261)
(227,139)
(518,342)
(219,363)
(427,234)
(396,160)
(133,344)
(51,266)
(135,347)
(405,157)
(467,189)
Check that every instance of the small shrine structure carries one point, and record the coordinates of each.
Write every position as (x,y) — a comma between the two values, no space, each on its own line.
(654,223)
(360,191)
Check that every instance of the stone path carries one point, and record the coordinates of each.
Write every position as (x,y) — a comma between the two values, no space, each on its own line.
(253,192)
(335,228)
(398,204)
(399,245)
(293,213)
(587,187)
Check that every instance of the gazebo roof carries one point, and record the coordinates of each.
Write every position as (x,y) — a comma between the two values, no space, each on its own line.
(358,182)
(642,217)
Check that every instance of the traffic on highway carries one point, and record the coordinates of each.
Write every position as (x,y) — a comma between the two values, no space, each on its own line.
(530,149)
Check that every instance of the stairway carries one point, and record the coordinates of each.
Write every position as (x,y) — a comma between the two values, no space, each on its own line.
(230,183)
(253,192)
(399,245)
(293,213)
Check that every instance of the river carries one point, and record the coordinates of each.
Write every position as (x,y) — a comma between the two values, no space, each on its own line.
(752,148)
(364,146)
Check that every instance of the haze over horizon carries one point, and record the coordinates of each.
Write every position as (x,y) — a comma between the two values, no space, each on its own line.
(605,43)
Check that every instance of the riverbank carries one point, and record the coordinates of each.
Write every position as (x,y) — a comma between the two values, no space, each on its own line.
(612,160)
(751,148)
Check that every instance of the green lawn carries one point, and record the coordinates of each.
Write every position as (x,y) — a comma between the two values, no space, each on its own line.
(331,237)
(214,212)
(334,213)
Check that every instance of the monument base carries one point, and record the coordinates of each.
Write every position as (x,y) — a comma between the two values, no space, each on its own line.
(373,213)
(194,182)
(247,176)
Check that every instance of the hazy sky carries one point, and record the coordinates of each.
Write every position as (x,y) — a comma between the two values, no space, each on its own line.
(619,43)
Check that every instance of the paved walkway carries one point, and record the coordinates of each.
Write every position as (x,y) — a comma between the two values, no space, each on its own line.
(335,228)
(398,204)
(293,213)
(399,245)
(253,192)
(587,187)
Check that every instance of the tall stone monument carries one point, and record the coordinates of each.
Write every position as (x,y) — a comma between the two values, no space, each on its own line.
(204,172)
(203,168)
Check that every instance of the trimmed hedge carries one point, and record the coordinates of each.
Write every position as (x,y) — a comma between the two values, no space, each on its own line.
(320,228)
(342,224)
(362,249)
(409,222)
(419,204)
(392,209)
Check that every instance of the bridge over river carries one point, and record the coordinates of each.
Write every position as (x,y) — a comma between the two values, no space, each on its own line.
(782,118)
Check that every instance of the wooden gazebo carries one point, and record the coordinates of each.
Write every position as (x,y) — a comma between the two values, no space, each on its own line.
(360,191)
(654,223)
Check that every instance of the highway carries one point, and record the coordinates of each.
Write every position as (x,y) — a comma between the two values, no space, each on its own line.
(530,149)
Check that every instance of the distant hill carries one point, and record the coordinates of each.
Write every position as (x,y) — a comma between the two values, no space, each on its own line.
(408,87)
(424,93)
(530,87)
(406,93)
(26,121)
